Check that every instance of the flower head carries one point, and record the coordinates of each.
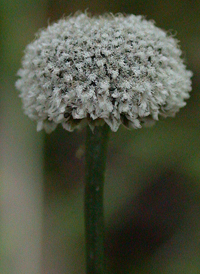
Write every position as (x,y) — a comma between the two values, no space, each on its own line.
(113,69)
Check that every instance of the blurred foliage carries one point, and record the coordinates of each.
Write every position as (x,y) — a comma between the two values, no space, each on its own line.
(152,191)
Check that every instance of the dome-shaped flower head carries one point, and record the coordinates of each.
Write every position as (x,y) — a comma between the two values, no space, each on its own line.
(113,69)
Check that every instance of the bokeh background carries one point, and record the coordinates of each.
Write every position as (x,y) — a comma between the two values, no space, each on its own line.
(152,190)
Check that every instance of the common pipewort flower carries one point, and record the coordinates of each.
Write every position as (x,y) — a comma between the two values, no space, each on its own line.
(102,71)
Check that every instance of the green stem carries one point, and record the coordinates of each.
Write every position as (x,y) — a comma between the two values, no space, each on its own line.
(96,147)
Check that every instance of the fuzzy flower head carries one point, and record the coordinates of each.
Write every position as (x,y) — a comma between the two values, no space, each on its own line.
(108,69)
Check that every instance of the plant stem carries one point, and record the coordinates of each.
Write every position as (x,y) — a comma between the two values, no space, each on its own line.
(96,147)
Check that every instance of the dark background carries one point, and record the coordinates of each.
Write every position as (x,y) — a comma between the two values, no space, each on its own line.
(152,185)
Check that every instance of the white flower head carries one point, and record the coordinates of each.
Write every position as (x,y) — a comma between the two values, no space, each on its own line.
(113,69)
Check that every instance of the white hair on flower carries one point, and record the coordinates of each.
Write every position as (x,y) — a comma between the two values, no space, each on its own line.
(113,69)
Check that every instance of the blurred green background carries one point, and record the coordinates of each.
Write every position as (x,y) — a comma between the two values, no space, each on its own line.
(152,190)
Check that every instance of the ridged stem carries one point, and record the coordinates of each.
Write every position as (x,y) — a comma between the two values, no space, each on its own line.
(96,147)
